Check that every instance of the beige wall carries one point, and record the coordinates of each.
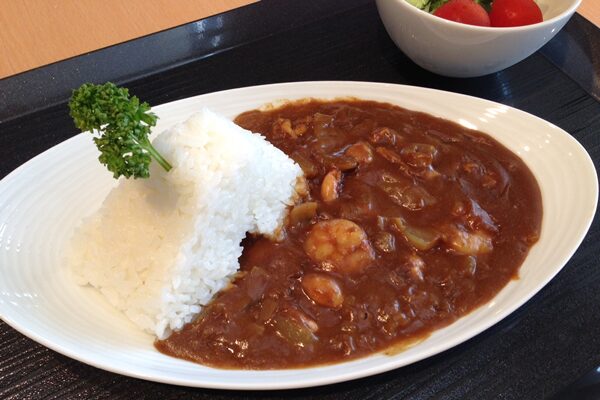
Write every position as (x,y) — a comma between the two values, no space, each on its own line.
(39,32)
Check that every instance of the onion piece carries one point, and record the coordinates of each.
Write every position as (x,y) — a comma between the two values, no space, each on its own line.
(419,238)
(303,212)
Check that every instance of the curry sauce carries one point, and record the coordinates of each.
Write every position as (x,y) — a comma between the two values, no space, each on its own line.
(411,222)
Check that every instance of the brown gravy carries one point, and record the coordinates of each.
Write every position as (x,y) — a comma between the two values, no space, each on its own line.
(412,222)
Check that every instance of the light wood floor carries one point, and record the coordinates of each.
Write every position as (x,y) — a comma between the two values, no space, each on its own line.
(38,32)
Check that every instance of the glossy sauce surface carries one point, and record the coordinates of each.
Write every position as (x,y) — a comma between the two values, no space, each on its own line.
(411,222)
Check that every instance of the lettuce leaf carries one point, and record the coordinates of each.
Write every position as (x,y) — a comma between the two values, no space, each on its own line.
(435,4)
(422,4)
(487,4)
(432,5)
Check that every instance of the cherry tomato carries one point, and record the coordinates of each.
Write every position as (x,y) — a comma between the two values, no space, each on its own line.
(506,13)
(464,11)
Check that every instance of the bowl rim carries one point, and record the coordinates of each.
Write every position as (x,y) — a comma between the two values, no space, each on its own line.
(545,23)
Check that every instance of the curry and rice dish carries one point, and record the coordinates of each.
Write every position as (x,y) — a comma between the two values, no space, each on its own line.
(409,223)
(350,227)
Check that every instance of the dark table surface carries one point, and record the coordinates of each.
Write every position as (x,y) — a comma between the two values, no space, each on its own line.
(535,353)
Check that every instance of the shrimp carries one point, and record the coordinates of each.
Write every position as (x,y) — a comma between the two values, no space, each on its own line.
(341,245)
(323,290)
(331,185)
(361,152)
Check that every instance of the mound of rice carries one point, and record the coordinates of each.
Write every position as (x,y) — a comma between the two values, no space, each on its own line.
(160,248)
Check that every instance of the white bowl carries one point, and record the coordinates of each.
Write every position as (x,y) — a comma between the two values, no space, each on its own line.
(459,50)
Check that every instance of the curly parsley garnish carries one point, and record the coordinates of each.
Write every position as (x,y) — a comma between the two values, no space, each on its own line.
(123,124)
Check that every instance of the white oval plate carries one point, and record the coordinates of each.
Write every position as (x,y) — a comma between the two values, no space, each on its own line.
(42,201)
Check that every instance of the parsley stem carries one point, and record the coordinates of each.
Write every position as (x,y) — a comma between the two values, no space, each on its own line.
(146,145)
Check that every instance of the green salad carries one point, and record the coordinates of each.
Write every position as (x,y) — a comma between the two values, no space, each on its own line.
(432,5)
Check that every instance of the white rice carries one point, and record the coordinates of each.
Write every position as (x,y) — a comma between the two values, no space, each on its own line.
(160,248)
